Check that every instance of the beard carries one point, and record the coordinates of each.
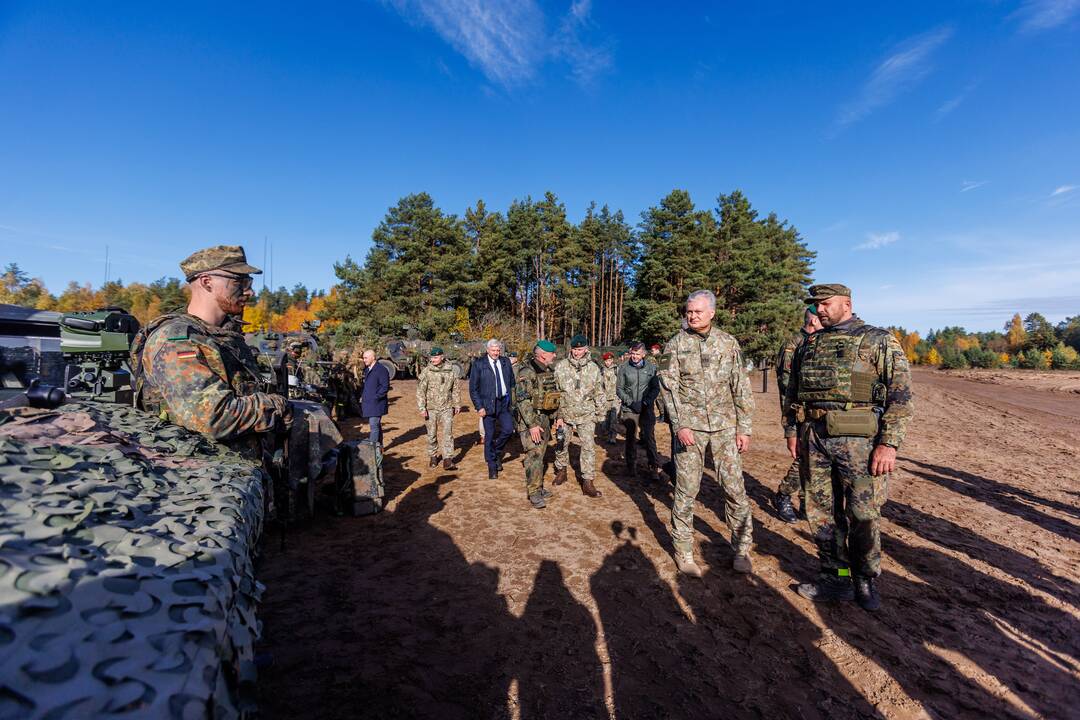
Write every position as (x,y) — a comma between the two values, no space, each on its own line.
(231,304)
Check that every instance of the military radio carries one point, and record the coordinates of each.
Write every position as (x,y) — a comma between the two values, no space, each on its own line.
(96,346)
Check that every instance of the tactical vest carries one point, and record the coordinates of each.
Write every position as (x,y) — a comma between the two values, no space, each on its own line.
(834,369)
(550,396)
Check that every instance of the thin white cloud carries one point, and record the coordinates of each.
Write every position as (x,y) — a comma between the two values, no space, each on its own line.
(507,40)
(874,241)
(908,64)
(1038,15)
(586,61)
(1063,190)
(969,185)
(946,108)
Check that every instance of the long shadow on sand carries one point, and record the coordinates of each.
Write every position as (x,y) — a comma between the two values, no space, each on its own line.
(954,611)
(1001,496)
(732,648)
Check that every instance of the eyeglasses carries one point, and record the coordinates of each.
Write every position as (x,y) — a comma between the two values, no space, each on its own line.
(243,281)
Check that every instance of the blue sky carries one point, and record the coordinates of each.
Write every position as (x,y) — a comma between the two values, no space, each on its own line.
(929,152)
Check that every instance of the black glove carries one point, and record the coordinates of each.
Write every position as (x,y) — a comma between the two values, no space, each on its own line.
(636,407)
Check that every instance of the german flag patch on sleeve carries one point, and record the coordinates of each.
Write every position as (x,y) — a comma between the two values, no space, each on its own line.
(186,354)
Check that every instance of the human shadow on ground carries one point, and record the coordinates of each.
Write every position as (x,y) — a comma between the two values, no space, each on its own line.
(396,476)
(559,673)
(951,610)
(736,649)
(1001,496)
(956,537)
(384,617)
(408,436)
(407,627)
(900,639)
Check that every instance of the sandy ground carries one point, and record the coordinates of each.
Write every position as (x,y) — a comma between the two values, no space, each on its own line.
(1056,381)
(460,601)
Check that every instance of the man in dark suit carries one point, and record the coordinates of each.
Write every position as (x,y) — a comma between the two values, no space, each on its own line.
(491,381)
(373,404)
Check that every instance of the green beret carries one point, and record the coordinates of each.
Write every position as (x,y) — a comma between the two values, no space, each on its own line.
(579,341)
(436,351)
(545,345)
(824,292)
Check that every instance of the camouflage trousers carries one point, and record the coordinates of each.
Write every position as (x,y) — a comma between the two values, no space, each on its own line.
(586,434)
(533,457)
(843,501)
(792,481)
(440,433)
(689,465)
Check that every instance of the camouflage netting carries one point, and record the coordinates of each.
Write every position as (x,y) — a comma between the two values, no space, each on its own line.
(126,580)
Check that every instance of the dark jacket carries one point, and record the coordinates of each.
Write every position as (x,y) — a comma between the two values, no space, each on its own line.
(376,386)
(483,385)
(637,385)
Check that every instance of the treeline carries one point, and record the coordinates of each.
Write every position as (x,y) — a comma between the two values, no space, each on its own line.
(282,310)
(531,272)
(1032,342)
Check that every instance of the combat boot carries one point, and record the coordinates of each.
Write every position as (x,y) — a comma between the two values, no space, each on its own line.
(537,500)
(434,462)
(545,493)
(827,588)
(687,566)
(742,564)
(866,594)
(560,477)
(448,464)
(784,508)
(587,488)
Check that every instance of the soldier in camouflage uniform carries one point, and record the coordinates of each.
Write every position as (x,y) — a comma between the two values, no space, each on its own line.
(536,407)
(581,405)
(709,403)
(610,377)
(192,369)
(795,479)
(848,405)
(438,401)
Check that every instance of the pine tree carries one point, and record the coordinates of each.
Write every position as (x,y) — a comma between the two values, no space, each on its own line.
(760,276)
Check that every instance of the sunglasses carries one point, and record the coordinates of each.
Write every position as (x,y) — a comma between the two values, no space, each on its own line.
(243,281)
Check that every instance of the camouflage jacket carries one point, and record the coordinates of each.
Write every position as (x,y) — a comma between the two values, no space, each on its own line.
(878,350)
(783,363)
(705,385)
(582,386)
(534,381)
(610,378)
(205,379)
(437,388)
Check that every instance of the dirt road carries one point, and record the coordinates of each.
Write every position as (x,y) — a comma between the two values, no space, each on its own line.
(460,601)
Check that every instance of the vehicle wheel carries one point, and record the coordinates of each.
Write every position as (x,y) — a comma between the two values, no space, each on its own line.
(390,367)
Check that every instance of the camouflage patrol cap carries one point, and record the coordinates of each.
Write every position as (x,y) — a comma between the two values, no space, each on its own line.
(230,258)
(824,292)
(579,341)
(545,345)
(436,351)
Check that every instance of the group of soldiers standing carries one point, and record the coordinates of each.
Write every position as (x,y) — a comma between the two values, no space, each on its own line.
(846,402)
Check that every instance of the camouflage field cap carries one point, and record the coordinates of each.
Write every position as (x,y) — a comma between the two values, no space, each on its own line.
(436,351)
(230,258)
(579,341)
(545,345)
(824,292)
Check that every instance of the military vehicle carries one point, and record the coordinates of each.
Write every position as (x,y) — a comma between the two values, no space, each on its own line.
(128,542)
